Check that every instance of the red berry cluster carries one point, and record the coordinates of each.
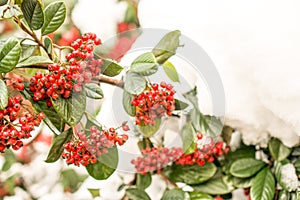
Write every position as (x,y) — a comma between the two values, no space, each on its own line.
(154,159)
(15,124)
(82,56)
(17,82)
(206,150)
(92,146)
(155,102)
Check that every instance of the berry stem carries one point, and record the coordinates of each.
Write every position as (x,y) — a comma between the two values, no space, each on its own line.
(167,180)
(32,34)
(111,81)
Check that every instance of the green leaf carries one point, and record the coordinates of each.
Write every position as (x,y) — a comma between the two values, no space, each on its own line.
(242,182)
(200,196)
(105,166)
(143,181)
(134,83)
(94,192)
(110,68)
(33,13)
(263,185)
(3,2)
(297,165)
(180,105)
(127,98)
(27,51)
(210,125)
(58,145)
(10,159)
(9,55)
(143,63)
(215,186)
(150,130)
(171,71)
(71,180)
(93,91)
(192,97)
(246,167)
(71,109)
(174,194)
(55,14)
(131,15)
(278,150)
(191,174)
(3,95)
(166,47)
(34,60)
(137,194)
(48,44)
(188,136)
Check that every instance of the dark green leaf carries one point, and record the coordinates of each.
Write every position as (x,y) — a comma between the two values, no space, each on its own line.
(246,167)
(215,186)
(143,63)
(3,2)
(94,192)
(191,174)
(48,44)
(27,51)
(131,15)
(263,186)
(10,159)
(278,150)
(55,14)
(3,95)
(180,105)
(143,181)
(71,180)
(174,194)
(297,165)
(137,194)
(71,109)
(9,55)
(200,196)
(127,98)
(134,83)
(34,60)
(93,91)
(33,13)
(110,68)
(188,136)
(171,71)
(58,145)
(150,130)
(105,166)
(166,47)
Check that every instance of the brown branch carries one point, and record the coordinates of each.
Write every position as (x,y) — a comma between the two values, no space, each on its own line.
(110,81)
(167,180)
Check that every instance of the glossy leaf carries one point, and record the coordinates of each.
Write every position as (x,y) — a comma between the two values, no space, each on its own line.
(150,130)
(200,196)
(55,14)
(27,51)
(137,194)
(33,13)
(143,181)
(93,91)
(242,182)
(9,55)
(110,68)
(171,71)
(263,186)
(174,194)
(143,63)
(127,98)
(48,44)
(3,95)
(278,150)
(58,145)
(246,167)
(134,83)
(188,136)
(166,47)
(214,186)
(191,174)
(34,60)
(71,109)
(105,166)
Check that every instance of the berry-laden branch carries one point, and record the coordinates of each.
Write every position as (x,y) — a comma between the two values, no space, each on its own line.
(111,81)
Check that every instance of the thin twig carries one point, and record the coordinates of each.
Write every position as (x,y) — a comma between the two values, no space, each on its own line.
(111,81)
